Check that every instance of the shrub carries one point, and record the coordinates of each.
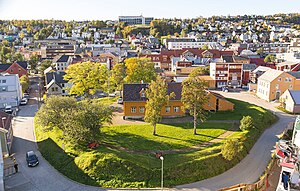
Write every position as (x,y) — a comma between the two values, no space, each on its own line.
(230,149)
(247,123)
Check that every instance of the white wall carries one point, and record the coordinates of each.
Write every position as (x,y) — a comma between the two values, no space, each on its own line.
(10,90)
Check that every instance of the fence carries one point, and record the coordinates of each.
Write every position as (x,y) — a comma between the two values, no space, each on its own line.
(1,170)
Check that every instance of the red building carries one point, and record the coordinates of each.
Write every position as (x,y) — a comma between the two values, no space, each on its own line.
(19,68)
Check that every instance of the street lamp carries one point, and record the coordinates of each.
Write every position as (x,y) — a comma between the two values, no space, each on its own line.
(162,172)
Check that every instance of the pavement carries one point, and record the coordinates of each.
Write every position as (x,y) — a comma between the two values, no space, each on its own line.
(45,178)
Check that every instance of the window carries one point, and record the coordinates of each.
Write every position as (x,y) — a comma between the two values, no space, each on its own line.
(53,89)
(4,81)
(168,109)
(291,87)
(176,109)
(63,91)
(277,86)
(279,79)
(133,109)
(19,69)
(142,109)
(63,85)
(11,70)
(56,88)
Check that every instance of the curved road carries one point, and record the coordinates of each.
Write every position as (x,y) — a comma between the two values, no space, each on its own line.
(45,178)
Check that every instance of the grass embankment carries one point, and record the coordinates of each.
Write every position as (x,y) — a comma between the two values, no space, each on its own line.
(109,167)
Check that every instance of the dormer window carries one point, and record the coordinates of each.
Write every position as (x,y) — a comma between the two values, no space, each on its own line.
(143,94)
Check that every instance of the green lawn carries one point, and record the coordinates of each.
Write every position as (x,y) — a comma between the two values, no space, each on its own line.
(112,167)
(175,136)
(240,109)
(108,100)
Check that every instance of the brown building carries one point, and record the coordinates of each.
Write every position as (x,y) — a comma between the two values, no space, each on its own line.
(134,98)
(19,68)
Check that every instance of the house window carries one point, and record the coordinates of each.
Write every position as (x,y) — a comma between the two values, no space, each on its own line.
(11,70)
(168,109)
(279,79)
(4,81)
(143,94)
(176,109)
(56,88)
(63,85)
(277,86)
(63,91)
(133,109)
(53,89)
(142,109)
(291,87)
(19,69)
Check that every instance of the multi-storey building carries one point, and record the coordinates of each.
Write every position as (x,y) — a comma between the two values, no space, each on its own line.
(61,62)
(10,90)
(54,47)
(182,43)
(136,20)
(228,71)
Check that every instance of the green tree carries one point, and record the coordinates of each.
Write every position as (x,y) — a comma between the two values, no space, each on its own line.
(82,124)
(44,65)
(199,71)
(87,77)
(205,47)
(230,149)
(246,123)
(269,58)
(24,81)
(260,51)
(194,97)
(184,33)
(50,115)
(33,61)
(118,75)
(156,98)
(139,69)
(18,57)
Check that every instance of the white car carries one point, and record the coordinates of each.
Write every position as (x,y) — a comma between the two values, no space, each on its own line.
(120,100)
(24,101)
(8,109)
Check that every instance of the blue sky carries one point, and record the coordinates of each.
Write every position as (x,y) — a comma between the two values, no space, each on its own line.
(111,9)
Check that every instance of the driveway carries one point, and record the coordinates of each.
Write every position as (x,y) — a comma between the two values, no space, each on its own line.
(254,164)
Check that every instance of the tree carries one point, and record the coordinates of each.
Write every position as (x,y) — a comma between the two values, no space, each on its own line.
(80,122)
(194,97)
(231,148)
(205,47)
(184,32)
(83,124)
(139,69)
(44,65)
(246,123)
(87,77)
(260,51)
(157,98)
(269,58)
(18,57)
(24,81)
(33,61)
(199,71)
(118,75)
(50,115)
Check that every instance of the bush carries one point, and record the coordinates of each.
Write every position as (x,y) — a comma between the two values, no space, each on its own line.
(230,149)
(247,123)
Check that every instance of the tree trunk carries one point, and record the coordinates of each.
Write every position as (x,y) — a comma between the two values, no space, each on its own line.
(195,122)
(154,129)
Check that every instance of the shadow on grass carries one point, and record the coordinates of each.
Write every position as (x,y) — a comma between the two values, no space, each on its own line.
(63,162)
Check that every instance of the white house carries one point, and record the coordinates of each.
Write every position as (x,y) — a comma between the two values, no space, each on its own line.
(61,62)
(10,90)
(56,85)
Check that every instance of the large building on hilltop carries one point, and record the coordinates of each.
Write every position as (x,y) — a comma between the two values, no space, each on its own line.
(136,20)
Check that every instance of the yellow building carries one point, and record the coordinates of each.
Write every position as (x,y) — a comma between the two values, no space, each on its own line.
(134,99)
(273,83)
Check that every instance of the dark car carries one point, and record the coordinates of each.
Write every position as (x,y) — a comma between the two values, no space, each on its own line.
(32,159)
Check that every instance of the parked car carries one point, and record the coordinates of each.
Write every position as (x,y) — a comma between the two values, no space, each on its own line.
(120,100)
(24,101)
(32,159)
(8,109)
(26,95)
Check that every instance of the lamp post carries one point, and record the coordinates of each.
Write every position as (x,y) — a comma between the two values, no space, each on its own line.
(162,172)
